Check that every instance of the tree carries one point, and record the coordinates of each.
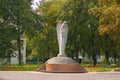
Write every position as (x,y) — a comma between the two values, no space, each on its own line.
(108,13)
(18,17)
(82,27)
(6,46)
(44,44)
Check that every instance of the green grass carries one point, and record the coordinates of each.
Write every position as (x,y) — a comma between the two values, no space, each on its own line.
(33,67)
(26,67)
(99,69)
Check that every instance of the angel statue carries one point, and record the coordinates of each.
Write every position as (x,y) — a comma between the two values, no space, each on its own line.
(62,30)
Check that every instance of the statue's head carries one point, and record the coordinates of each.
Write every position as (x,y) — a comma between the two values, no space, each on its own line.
(60,23)
(65,21)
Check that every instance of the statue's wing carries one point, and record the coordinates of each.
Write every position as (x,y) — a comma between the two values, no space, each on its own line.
(58,31)
(65,26)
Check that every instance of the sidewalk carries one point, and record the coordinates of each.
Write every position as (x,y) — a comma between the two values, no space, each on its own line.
(31,75)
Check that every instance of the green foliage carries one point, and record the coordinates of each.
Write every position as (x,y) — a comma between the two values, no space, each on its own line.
(108,12)
(82,27)
(16,18)
(44,43)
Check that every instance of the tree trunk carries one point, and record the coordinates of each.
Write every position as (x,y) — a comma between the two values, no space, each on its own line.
(94,59)
(115,58)
(19,47)
(107,57)
(76,57)
(19,52)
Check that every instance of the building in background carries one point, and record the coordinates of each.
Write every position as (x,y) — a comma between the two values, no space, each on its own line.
(14,59)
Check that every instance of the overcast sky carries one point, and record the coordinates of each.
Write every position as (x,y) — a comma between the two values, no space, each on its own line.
(34,4)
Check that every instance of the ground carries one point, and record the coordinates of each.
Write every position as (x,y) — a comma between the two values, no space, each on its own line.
(32,75)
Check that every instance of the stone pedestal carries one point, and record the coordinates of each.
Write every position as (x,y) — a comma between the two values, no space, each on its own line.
(61,64)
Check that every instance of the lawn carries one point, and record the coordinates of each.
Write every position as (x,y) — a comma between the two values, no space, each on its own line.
(33,67)
(100,69)
(27,67)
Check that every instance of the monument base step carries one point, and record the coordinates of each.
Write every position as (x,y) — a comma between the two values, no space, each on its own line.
(61,64)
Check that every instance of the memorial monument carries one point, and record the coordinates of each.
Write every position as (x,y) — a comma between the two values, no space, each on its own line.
(61,63)
(62,30)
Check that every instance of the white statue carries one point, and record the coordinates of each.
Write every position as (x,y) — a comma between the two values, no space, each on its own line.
(62,30)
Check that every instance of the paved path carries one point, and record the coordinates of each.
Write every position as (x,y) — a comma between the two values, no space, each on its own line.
(31,75)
